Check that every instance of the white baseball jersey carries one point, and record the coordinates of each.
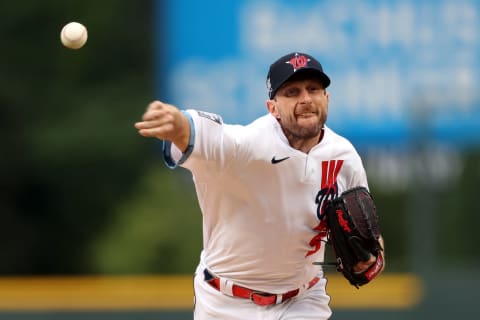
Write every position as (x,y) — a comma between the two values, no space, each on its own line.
(261,199)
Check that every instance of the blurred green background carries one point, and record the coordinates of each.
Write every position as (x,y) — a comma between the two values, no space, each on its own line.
(82,193)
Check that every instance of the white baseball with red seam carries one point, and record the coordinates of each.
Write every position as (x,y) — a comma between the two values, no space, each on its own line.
(74,35)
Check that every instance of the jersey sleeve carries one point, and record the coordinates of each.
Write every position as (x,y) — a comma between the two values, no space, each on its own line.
(359,178)
(210,141)
(354,174)
(359,175)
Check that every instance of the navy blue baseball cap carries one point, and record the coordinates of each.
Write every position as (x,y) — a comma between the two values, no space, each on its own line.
(290,65)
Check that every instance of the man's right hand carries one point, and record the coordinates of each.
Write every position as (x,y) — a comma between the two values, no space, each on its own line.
(165,122)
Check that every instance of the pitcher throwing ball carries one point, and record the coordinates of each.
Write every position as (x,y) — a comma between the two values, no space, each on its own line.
(263,190)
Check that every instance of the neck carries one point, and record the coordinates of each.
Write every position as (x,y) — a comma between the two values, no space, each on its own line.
(304,144)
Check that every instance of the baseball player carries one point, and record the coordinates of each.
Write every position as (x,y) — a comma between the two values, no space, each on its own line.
(261,190)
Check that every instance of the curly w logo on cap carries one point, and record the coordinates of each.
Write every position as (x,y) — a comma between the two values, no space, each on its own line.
(298,61)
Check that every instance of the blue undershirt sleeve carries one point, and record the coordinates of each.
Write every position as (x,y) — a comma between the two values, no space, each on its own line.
(167,146)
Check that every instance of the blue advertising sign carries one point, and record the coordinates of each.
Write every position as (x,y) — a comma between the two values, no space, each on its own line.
(396,66)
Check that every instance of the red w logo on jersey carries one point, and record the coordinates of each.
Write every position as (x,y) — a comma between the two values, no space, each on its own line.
(328,191)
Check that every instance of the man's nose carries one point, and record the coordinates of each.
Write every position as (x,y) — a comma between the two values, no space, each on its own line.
(305,96)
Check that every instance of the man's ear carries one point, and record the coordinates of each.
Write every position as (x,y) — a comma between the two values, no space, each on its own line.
(272,108)
(328,98)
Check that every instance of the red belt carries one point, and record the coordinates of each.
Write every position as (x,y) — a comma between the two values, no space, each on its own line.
(258,297)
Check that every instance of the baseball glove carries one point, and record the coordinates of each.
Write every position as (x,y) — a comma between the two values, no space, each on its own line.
(354,233)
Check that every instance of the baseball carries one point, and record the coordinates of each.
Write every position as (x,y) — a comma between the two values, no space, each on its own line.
(74,35)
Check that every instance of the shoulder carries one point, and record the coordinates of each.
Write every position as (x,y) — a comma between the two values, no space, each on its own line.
(265,122)
(260,127)
(264,130)
(255,139)
(204,116)
(330,134)
(338,146)
(331,137)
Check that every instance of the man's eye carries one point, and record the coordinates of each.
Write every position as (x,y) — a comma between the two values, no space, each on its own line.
(291,92)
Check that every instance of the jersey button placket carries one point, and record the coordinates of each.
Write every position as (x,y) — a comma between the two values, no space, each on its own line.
(309,171)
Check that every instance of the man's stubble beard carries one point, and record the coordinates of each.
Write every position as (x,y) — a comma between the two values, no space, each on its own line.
(298,132)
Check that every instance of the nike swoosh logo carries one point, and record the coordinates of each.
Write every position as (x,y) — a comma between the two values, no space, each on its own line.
(278,160)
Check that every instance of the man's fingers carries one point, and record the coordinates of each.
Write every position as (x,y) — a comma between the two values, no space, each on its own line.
(156,105)
(162,132)
(148,124)
(165,122)
(364,265)
(156,114)
(148,132)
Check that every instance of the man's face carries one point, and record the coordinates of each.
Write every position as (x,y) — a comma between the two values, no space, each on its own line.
(301,107)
